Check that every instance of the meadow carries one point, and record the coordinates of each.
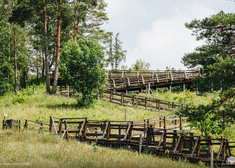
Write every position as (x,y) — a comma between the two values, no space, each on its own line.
(34,149)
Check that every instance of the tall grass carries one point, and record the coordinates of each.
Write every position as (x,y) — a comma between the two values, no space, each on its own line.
(47,150)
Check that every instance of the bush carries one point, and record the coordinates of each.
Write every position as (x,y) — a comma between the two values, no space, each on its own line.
(82,66)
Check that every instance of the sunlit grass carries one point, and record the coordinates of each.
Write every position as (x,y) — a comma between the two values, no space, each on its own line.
(47,150)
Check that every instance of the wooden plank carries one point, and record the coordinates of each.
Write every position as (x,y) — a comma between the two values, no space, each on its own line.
(160,141)
(52,118)
(82,127)
(177,144)
(106,129)
(194,148)
(127,131)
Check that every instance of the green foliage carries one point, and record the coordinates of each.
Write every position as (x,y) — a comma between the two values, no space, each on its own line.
(216,63)
(82,66)
(185,95)
(140,65)
(94,146)
(115,54)
(18,99)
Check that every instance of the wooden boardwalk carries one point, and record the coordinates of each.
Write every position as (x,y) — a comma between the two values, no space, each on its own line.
(125,81)
(137,80)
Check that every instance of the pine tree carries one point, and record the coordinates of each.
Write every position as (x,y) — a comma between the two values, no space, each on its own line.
(115,52)
(215,60)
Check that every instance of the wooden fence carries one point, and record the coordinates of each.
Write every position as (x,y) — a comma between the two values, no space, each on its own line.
(143,136)
(163,122)
(140,101)
(36,124)
(128,134)
(11,124)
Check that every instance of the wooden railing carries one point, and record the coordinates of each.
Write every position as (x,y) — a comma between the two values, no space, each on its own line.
(143,136)
(35,124)
(163,122)
(125,79)
(140,101)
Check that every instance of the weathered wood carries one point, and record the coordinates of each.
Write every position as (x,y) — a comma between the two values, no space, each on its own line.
(66,129)
(140,144)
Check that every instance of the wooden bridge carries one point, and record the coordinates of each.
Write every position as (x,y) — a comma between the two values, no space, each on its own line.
(124,81)
(138,80)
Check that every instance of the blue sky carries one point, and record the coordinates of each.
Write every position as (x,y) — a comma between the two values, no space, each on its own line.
(154,31)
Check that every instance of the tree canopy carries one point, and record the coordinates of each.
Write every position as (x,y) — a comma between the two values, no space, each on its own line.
(140,65)
(33,33)
(82,66)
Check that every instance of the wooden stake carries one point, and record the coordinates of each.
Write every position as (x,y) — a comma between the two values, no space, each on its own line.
(140,145)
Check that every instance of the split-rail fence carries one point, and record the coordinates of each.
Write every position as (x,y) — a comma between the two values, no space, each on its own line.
(144,136)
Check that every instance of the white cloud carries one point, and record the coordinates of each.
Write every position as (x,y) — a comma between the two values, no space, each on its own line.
(167,40)
(121,12)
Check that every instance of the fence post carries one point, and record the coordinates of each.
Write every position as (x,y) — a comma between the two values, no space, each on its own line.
(175,121)
(147,122)
(26,124)
(140,144)
(181,124)
(50,127)
(169,105)
(19,124)
(160,122)
(146,102)
(66,129)
(157,104)
(60,126)
(68,91)
(164,122)
(133,103)
(212,156)
(42,127)
(136,101)
(4,122)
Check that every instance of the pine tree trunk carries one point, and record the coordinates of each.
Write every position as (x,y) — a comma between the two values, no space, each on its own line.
(37,65)
(57,50)
(46,50)
(43,62)
(69,31)
(15,59)
(74,26)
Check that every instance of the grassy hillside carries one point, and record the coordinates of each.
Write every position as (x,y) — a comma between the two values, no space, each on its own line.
(46,150)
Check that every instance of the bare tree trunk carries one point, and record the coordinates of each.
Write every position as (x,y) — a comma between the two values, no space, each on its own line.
(37,65)
(69,30)
(15,59)
(46,50)
(43,63)
(57,50)
(74,26)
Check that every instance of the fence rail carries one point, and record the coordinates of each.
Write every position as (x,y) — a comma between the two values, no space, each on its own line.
(142,136)
(140,101)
